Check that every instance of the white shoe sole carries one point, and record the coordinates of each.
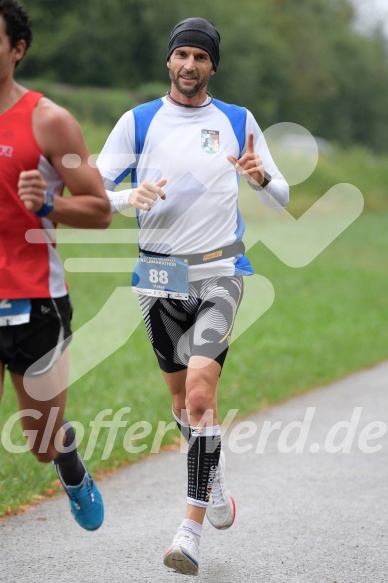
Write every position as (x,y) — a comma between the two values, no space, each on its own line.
(175,558)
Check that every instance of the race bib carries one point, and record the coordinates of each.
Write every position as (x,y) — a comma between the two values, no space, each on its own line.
(164,277)
(14,312)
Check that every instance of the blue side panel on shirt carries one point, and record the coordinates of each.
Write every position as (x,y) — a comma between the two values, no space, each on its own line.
(243,266)
(240,226)
(144,115)
(123,175)
(237,117)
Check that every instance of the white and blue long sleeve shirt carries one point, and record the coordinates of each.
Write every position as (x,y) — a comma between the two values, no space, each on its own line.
(189,148)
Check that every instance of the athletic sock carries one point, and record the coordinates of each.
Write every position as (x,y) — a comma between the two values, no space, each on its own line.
(71,467)
(194,528)
(202,462)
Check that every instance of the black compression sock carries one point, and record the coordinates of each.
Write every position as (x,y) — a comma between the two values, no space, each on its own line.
(202,461)
(70,465)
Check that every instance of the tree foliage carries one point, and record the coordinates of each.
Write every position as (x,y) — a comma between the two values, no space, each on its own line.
(286,60)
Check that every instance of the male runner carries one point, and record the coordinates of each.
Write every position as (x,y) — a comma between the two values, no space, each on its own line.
(185,153)
(36,139)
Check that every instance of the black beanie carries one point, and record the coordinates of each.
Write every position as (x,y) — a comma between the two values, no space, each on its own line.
(199,33)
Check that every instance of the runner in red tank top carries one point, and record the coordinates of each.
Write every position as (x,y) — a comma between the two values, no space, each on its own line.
(35,309)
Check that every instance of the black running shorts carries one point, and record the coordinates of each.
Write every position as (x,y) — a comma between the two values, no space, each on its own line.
(34,347)
(199,326)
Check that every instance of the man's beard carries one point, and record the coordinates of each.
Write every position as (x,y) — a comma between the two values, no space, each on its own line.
(187,92)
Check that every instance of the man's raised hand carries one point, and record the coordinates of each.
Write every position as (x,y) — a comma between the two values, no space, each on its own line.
(250,165)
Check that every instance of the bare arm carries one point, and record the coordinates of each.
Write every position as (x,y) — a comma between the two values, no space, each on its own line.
(61,141)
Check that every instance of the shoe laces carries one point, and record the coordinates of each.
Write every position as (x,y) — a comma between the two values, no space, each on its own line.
(85,490)
(219,491)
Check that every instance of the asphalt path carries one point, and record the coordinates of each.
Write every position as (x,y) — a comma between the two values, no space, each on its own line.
(310,479)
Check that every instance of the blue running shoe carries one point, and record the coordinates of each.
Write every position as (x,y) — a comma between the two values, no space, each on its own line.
(85,500)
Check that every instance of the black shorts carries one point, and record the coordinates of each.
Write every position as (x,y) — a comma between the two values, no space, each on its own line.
(33,348)
(199,326)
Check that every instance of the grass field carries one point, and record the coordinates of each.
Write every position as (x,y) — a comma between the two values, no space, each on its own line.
(327,320)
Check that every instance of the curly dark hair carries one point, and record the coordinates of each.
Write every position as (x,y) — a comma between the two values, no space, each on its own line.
(17,22)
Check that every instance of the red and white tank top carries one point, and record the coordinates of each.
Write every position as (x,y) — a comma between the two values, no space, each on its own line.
(27,269)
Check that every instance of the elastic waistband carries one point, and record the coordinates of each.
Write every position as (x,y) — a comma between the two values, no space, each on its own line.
(197,258)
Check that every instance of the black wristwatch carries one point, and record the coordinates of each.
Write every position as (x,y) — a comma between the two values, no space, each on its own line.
(48,204)
(267,179)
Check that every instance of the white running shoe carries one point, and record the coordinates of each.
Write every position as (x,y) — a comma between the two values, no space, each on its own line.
(183,555)
(221,510)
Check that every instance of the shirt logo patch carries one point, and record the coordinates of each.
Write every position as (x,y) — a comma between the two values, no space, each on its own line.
(210,141)
(6,151)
